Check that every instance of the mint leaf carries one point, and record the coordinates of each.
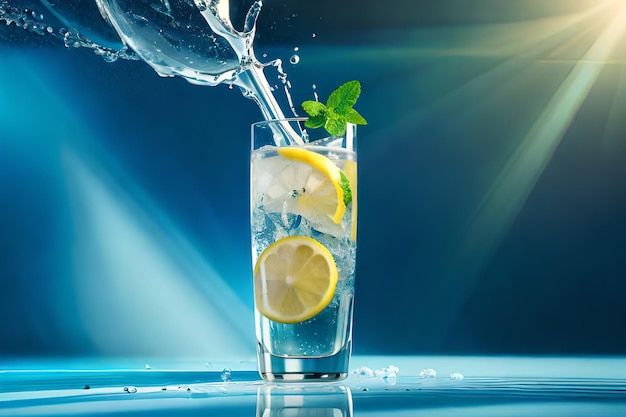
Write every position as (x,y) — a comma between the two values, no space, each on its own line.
(345,186)
(344,97)
(314,122)
(313,108)
(354,117)
(335,123)
(338,110)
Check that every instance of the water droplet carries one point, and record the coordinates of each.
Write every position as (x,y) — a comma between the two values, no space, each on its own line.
(148,366)
(49,29)
(130,389)
(294,59)
(227,375)
(296,48)
(390,380)
(87,387)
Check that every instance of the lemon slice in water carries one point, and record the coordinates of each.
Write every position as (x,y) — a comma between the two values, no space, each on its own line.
(294,279)
(312,186)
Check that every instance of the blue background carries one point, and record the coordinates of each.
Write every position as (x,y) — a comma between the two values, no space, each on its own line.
(492,183)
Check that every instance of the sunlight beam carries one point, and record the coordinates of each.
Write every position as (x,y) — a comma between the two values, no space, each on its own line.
(507,195)
(501,204)
(140,288)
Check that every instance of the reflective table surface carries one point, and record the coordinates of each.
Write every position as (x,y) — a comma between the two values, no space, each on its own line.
(377,386)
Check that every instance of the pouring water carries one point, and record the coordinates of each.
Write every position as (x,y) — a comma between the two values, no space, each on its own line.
(196,39)
(193,39)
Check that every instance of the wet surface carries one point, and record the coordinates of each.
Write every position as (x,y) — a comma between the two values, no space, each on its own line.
(421,386)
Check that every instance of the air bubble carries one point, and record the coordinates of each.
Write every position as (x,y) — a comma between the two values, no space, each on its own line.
(294,59)
(130,390)
(456,376)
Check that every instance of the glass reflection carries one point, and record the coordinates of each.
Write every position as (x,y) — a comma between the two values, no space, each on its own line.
(309,401)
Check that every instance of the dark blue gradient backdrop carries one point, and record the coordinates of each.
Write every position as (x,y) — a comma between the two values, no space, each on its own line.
(492,175)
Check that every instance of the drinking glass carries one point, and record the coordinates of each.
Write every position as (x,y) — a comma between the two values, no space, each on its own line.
(294,198)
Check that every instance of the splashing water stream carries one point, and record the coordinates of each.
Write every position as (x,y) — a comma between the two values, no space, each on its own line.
(203,47)
(193,39)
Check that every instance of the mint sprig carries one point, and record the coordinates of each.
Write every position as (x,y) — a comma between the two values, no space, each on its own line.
(338,110)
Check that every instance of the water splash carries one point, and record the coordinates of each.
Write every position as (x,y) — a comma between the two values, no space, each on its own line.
(427,373)
(197,41)
(60,21)
(456,376)
(193,39)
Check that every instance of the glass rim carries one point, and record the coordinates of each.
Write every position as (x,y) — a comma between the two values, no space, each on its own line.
(281,120)
(260,128)
(288,119)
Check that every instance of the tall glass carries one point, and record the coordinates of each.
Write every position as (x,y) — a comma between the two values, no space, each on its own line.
(283,205)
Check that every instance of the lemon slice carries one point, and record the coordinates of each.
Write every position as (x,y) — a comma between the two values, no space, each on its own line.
(315,185)
(294,279)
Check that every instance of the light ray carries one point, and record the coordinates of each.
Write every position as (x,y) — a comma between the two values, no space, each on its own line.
(511,188)
(141,289)
(128,281)
(509,191)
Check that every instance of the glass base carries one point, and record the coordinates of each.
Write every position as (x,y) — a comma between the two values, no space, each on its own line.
(304,369)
